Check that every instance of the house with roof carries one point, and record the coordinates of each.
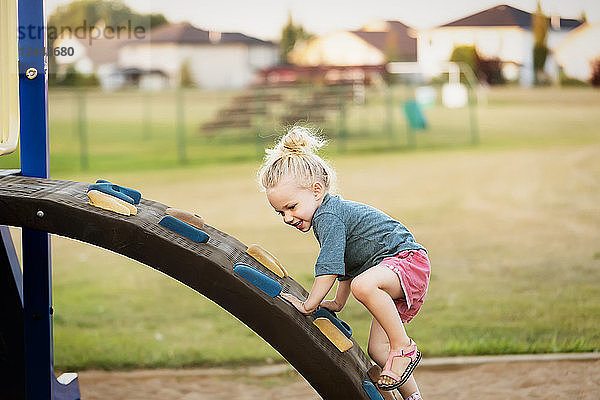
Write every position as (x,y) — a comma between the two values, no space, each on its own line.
(576,53)
(501,32)
(214,60)
(91,54)
(374,44)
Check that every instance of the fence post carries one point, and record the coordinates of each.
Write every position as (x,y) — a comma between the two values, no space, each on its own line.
(473,117)
(260,109)
(411,137)
(147,115)
(180,127)
(389,114)
(82,128)
(341,119)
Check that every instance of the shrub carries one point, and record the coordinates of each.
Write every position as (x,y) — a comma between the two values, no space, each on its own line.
(565,80)
(467,55)
(487,70)
(490,70)
(74,78)
(595,78)
(540,54)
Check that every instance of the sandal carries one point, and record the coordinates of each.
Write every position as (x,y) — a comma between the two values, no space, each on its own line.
(412,353)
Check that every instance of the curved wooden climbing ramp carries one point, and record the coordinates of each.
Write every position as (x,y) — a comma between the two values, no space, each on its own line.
(61,207)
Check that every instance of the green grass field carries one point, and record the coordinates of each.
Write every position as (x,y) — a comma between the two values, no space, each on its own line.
(512,227)
(127,131)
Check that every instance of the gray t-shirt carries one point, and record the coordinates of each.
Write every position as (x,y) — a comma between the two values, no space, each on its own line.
(355,237)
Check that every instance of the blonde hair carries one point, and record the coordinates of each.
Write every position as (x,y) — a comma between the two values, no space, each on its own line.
(295,156)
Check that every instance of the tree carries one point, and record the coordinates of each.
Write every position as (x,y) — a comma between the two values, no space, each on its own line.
(467,55)
(539,26)
(113,13)
(157,20)
(73,78)
(290,35)
(185,75)
(85,14)
(485,69)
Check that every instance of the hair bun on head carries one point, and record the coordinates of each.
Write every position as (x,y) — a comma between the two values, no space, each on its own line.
(292,149)
(300,140)
(296,156)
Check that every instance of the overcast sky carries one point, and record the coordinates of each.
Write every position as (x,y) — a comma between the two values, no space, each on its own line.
(265,18)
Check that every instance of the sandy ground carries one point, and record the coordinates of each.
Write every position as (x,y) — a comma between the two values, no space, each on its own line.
(500,380)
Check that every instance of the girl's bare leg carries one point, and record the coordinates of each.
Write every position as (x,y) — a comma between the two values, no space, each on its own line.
(378,349)
(376,288)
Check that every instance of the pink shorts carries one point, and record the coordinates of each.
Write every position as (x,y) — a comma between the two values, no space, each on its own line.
(413,269)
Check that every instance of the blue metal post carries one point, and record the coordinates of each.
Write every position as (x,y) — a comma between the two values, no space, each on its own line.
(37,275)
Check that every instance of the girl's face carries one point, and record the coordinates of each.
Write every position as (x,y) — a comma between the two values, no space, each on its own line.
(296,204)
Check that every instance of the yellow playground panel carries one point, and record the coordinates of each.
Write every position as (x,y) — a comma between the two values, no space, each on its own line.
(9,77)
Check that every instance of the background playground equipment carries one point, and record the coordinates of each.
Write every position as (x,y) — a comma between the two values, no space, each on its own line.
(110,131)
(414,115)
(454,93)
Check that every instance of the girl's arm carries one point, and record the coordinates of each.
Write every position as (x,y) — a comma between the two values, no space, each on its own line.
(341,296)
(322,286)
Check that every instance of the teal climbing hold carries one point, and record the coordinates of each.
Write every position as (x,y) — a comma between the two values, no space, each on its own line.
(132,193)
(371,390)
(262,281)
(187,230)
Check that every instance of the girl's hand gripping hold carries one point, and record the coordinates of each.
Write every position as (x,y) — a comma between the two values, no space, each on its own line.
(341,296)
(332,305)
(321,287)
(296,303)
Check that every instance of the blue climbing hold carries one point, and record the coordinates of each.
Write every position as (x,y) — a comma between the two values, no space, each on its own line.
(262,281)
(129,195)
(135,195)
(330,315)
(195,234)
(371,390)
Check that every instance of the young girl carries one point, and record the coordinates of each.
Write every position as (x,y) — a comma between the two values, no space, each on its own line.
(373,256)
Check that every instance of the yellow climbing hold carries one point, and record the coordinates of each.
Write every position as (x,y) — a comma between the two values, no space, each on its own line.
(189,218)
(110,203)
(267,259)
(333,334)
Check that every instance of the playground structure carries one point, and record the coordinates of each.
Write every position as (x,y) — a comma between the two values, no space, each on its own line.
(277,108)
(335,366)
(61,207)
(454,93)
